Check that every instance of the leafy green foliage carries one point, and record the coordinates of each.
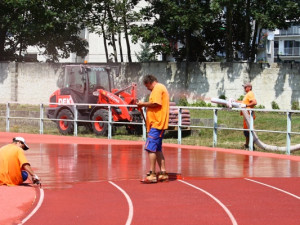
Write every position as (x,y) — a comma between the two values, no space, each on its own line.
(194,30)
(221,97)
(295,105)
(201,103)
(178,28)
(241,98)
(190,30)
(50,25)
(275,105)
(183,102)
(145,55)
(259,107)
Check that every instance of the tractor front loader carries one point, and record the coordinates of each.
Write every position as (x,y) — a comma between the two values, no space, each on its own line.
(88,85)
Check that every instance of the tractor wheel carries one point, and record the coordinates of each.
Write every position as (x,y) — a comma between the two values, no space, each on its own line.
(99,127)
(65,127)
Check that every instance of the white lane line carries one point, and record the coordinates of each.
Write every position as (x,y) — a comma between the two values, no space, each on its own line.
(130,214)
(36,207)
(214,198)
(270,186)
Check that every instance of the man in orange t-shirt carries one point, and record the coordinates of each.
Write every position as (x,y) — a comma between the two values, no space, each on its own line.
(157,120)
(14,167)
(249,101)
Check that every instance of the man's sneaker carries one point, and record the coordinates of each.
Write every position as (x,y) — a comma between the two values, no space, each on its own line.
(163,176)
(150,179)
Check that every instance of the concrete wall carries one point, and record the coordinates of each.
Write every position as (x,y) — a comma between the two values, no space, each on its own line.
(33,83)
(27,83)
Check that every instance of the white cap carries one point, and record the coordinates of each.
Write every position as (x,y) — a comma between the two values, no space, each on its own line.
(22,140)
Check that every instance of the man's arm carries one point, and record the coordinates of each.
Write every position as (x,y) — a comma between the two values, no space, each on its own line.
(148,105)
(252,103)
(27,167)
(34,178)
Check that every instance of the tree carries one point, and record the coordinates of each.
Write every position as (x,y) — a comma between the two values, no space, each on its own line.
(185,29)
(50,25)
(145,55)
(245,21)
(206,28)
(114,18)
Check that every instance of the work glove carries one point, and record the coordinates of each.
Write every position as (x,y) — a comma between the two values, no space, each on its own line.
(35,179)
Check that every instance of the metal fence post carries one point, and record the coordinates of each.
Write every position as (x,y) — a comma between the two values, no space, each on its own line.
(41,118)
(251,131)
(215,130)
(75,120)
(179,126)
(109,122)
(288,132)
(7,117)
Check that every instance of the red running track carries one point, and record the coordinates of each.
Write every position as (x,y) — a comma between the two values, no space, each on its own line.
(96,181)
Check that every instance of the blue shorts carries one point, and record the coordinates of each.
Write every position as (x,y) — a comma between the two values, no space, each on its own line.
(154,140)
(24,175)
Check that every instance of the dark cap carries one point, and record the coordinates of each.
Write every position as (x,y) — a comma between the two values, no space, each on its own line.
(247,84)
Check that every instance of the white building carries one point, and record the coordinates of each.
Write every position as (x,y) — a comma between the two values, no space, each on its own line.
(280,45)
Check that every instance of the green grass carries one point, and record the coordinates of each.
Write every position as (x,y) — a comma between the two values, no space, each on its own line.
(196,136)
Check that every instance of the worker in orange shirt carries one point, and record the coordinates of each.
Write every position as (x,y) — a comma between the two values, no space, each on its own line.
(249,101)
(157,120)
(14,167)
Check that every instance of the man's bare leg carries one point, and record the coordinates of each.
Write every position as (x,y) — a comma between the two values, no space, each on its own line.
(163,176)
(151,176)
(161,160)
(152,158)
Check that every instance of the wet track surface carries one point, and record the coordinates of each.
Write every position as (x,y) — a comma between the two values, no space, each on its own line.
(92,180)
(61,165)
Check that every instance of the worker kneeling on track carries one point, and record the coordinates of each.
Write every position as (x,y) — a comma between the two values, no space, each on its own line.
(14,167)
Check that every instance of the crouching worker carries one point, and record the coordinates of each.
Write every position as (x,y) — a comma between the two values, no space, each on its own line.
(14,167)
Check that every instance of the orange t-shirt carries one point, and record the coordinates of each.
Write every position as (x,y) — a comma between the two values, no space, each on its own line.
(12,159)
(158,117)
(248,97)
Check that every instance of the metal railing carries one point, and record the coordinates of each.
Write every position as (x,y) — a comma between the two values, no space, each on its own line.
(293,30)
(179,127)
(288,51)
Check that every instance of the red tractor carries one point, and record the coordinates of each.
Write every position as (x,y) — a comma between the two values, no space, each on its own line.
(92,84)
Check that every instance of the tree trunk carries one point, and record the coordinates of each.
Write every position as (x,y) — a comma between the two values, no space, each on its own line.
(120,46)
(127,38)
(247,32)
(228,44)
(254,46)
(188,57)
(104,42)
(112,35)
(114,47)
(2,43)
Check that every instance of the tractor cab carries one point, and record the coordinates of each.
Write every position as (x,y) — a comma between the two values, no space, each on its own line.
(80,81)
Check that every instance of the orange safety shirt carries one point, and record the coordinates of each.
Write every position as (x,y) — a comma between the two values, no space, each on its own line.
(247,99)
(158,117)
(12,159)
